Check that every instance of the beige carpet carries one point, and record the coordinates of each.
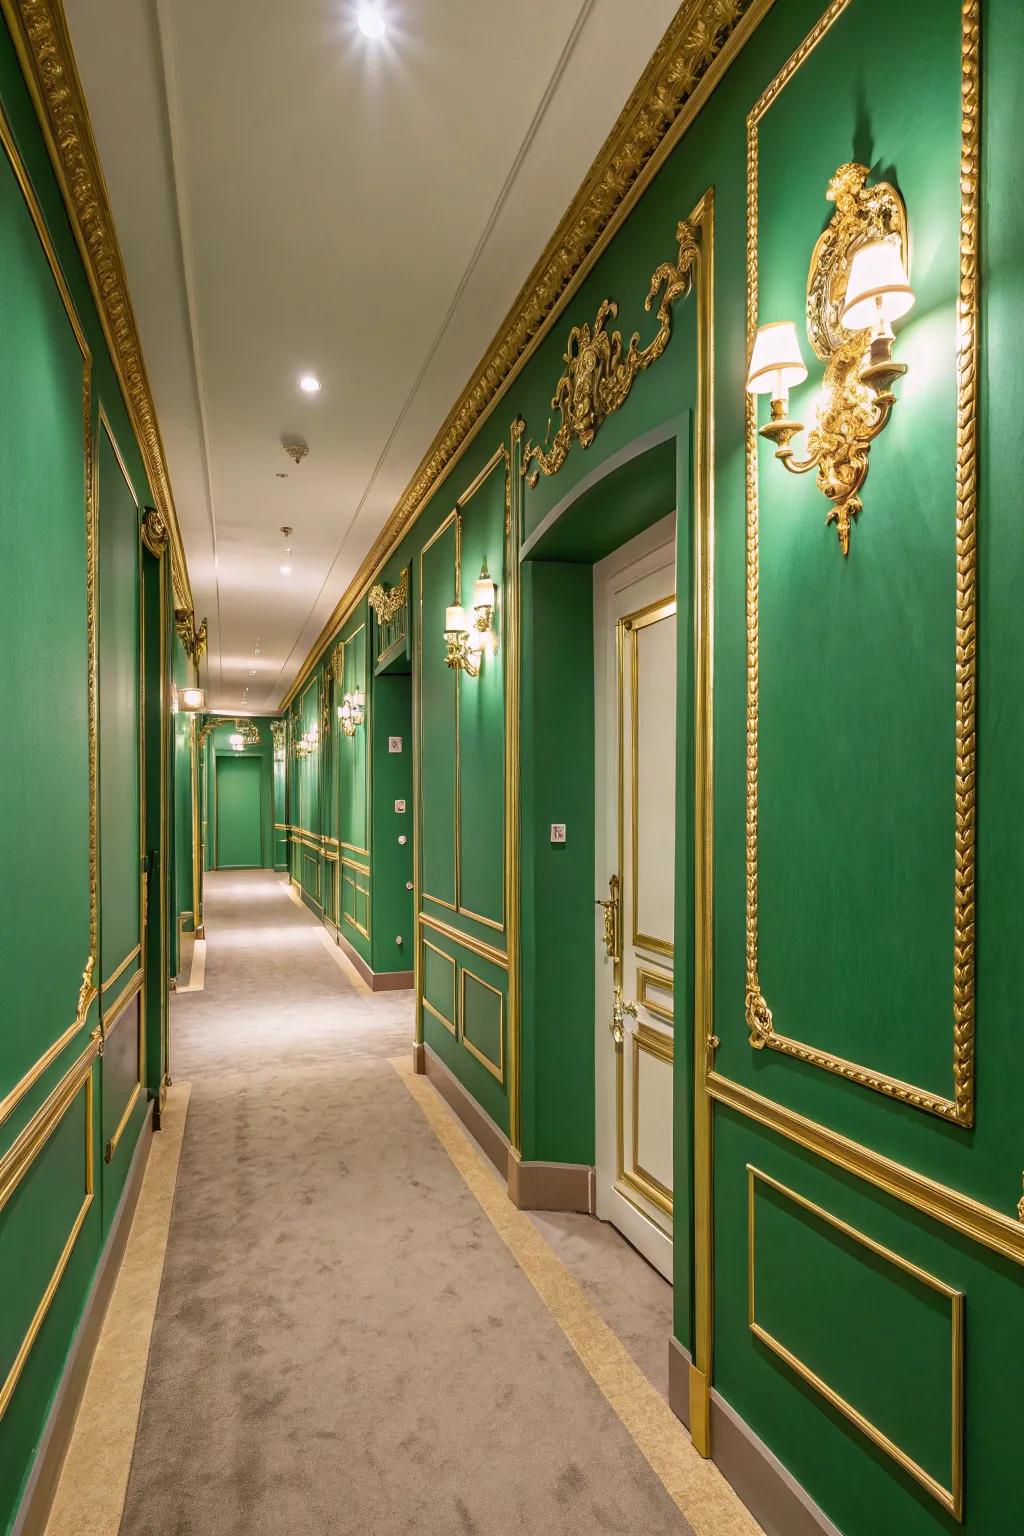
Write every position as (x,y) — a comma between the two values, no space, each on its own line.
(346,1339)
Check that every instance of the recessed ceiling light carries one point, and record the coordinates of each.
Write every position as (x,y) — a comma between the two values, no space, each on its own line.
(286,570)
(371,22)
(310,384)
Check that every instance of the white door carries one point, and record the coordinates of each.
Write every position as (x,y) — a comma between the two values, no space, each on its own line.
(635,714)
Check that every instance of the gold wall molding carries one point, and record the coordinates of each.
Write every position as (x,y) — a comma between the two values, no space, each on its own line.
(598,375)
(475,946)
(15,1164)
(972,1219)
(125,963)
(40,34)
(700,43)
(951,1498)
(432,1008)
(388,604)
(495,1068)
(87,992)
(154,532)
(759,1019)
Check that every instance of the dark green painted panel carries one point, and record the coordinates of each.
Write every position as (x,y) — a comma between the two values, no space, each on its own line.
(610,506)
(437,684)
(239,812)
(840,1308)
(482,1019)
(353,750)
(559,928)
(439,982)
(481,718)
(45,856)
(119,685)
(119,1076)
(485,1088)
(156,688)
(182,727)
(391,717)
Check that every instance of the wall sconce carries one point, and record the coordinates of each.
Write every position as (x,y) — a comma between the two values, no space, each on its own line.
(192,699)
(237,741)
(352,712)
(857,286)
(308,742)
(467,640)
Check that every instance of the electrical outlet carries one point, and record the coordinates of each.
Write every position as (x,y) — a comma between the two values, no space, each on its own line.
(558,831)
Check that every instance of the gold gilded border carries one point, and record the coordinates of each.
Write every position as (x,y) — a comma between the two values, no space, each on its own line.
(40,34)
(626,632)
(980,1223)
(495,1068)
(449,1024)
(87,991)
(15,1165)
(951,1498)
(702,40)
(959,1108)
(475,946)
(125,963)
(647,978)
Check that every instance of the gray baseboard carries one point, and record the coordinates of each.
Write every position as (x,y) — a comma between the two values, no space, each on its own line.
(772,1494)
(56,1436)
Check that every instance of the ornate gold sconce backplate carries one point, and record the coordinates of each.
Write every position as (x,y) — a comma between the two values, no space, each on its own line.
(856,399)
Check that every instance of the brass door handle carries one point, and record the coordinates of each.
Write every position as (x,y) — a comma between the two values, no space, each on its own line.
(620,1010)
(610,905)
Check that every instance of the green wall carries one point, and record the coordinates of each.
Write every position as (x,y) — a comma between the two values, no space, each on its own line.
(85,831)
(262,837)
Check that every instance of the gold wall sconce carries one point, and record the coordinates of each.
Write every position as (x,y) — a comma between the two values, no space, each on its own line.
(308,742)
(351,712)
(469,639)
(191,700)
(856,287)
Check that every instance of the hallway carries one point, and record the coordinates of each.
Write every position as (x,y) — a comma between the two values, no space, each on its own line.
(343,1341)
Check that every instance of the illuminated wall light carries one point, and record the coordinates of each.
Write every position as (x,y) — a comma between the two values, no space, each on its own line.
(192,699)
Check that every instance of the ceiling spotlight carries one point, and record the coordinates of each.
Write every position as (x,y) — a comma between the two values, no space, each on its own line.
(371,22)
(310,384)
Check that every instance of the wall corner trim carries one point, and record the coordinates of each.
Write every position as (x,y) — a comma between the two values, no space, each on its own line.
(55,1439)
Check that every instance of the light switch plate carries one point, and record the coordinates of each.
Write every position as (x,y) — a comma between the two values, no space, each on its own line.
(558,831)
(394,743)
(400,807)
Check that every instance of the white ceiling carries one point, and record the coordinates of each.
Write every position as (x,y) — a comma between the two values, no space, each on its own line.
(291,197)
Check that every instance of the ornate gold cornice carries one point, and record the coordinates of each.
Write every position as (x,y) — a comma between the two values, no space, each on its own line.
(43,44)
(702,40)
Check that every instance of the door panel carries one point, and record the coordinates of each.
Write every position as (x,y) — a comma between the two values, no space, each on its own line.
(635,642)
(239,813)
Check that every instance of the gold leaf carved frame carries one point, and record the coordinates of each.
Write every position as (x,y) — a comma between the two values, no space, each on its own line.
(763,1033)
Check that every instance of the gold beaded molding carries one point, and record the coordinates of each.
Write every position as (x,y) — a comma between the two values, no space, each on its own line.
(759,1020)
(40,34)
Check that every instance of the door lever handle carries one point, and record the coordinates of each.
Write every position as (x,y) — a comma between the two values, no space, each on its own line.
(620,1011)
(610,906)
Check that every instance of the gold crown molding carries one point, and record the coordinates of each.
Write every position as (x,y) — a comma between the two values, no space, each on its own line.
(40,34)
(701,42)
(763,1032)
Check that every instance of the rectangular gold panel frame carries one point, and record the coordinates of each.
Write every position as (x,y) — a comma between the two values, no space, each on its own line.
(959,1108)
(951,1498)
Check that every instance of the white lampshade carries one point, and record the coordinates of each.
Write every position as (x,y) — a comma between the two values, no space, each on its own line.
(484,591)
(358,699)
(236,740)
(192,698)
(455,619)
(344,710)
(776,363)
(877,287)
